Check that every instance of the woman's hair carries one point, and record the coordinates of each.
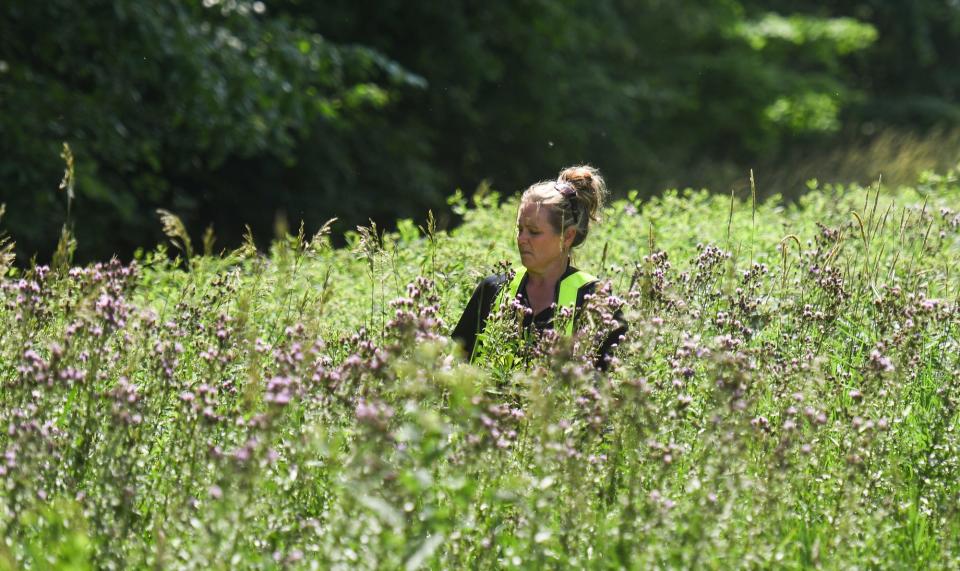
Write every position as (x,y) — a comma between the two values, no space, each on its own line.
(573,200)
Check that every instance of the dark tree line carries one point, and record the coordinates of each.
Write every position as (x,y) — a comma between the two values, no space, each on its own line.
(232,112)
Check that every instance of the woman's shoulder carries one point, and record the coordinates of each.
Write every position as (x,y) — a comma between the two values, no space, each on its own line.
(494,281)
(588,280)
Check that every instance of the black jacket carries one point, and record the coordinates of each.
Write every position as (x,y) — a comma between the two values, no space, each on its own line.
(474,317)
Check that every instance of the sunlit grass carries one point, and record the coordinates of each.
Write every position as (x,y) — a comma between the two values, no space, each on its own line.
(786,396)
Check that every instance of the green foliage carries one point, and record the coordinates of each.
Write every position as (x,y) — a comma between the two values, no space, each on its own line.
(910,73)
(154,99)
(635,88)
(839,36)
(55,538)
(786,397)
(235,113)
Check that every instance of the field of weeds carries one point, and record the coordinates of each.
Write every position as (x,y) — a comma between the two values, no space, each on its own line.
(786,397)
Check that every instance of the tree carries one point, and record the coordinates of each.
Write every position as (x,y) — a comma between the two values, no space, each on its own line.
(515,90)
(153,97)
(911,77)
(232,112)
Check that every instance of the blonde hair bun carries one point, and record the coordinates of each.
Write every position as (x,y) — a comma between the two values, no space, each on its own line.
(590,186)
(565,209)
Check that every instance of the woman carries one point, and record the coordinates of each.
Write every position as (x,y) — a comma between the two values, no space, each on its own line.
(554,217)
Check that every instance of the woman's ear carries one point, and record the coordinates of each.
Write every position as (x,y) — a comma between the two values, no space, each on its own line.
(568,237)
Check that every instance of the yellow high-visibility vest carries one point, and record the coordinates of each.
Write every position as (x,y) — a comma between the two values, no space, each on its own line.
(567,298)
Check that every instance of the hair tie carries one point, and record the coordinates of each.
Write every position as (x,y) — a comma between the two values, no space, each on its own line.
(565,188)
(569,192)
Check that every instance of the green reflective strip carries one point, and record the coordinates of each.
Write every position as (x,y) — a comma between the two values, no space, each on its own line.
(568,294)
(567,297)
(511,289)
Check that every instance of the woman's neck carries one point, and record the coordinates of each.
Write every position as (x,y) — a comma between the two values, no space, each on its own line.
(549,276)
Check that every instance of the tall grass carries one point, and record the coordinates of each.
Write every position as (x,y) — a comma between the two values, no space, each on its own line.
(786,397)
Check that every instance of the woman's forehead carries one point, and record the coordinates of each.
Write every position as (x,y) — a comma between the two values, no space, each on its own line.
(532,212)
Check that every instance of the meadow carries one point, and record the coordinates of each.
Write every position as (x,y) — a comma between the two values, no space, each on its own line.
(786,397)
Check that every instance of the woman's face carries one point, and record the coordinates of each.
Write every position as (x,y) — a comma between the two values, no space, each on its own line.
(539,244)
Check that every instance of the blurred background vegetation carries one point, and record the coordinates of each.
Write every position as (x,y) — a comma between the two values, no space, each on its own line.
(232,112)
